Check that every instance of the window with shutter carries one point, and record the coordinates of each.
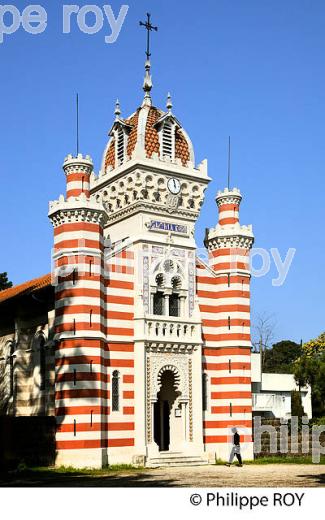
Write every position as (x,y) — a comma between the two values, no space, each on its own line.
(158,303)
(204,392)
(115,391)
(120,146)
(168,140)
(174,306)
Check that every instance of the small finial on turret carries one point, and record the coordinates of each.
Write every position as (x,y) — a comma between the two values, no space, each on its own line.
(169,104)
(117,110)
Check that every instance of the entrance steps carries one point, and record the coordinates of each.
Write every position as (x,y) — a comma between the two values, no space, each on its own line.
(169,458)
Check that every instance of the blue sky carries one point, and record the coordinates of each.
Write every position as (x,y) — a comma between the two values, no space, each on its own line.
(251,69)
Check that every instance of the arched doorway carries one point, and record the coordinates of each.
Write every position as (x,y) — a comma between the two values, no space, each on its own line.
(163,407)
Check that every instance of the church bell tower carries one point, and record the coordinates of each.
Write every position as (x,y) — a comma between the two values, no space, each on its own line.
(152,192)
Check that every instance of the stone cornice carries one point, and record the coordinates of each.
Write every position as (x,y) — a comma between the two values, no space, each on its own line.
(154,209)
(179,348)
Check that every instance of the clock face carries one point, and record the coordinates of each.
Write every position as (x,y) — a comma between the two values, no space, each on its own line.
(174,186)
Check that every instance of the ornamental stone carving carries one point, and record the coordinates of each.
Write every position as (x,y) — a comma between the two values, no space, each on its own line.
(160,363)
(140,189)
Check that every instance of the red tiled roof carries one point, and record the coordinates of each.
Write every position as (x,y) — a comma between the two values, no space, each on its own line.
(110,155)
(26,287)
(181,147)
(151,139)
(132,141)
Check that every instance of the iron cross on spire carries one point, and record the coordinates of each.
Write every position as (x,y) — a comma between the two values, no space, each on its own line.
(149,28)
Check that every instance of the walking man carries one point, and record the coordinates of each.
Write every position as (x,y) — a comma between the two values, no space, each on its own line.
(235,449)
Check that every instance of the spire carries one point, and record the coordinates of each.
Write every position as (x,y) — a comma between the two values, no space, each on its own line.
(147,84)
(117,110)
(229,158)
(169,104)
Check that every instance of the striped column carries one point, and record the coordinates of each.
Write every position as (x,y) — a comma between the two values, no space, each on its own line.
(223,288)
(228,205)
(77,171)
(82,381)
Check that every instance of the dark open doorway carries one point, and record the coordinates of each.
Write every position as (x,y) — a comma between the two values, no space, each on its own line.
(162,425)
(166,397)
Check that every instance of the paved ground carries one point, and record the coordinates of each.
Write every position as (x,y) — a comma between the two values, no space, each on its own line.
(268,475)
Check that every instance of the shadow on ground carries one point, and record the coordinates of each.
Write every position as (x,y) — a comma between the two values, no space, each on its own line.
(316,479)
(288,475)
(44,478)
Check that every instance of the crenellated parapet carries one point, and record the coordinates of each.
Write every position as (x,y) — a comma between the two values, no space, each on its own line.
(237,236)
(81,163)
(76,209)
(228,196)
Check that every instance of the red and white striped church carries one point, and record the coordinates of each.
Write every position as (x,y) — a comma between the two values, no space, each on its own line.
(142,350)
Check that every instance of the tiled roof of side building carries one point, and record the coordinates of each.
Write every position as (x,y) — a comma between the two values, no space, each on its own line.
(26,287)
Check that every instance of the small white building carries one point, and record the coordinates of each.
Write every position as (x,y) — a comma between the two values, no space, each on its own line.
(271,393)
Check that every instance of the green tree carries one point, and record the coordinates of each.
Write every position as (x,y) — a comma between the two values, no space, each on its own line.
(315,346)
(4,282)
(310,369)
(281,356)
(297,410)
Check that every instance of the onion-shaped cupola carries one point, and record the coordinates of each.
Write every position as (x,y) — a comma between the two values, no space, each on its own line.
(149,133)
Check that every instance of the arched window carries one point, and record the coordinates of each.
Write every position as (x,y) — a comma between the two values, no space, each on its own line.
(42,362)
(176,283)
(158,297)
(174,299)
(160,280)
(204,392)
(116,391)
(168,294)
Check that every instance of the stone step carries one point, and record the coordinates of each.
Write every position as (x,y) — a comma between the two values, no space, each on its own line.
(175,459)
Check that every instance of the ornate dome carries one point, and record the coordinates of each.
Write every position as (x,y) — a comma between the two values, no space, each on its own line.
(147,133)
